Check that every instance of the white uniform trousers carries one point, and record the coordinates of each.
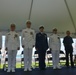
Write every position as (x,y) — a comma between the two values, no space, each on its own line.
(55,58)
(27,58)
(12,59)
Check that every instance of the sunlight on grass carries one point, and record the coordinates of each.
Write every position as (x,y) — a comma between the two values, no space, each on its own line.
(18,65)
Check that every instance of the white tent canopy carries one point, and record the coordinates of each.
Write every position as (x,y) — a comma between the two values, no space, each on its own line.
(50,13)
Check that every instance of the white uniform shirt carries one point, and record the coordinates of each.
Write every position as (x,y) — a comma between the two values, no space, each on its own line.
(12,41)
(28,38)
(54,42)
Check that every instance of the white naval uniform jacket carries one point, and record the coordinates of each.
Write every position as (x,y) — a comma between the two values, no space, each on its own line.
(28,38)
(0,40)
(54,42)
(12,41)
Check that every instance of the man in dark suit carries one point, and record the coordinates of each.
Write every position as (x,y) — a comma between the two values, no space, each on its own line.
(68,48)
(41,46)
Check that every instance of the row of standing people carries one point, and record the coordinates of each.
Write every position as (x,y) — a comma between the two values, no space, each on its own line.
(40,41)
(54,45)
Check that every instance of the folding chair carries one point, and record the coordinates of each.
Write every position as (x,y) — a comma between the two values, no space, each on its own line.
(5,65)
(49,57)
(36,58)
(62,57)
(22,59)
(0,59)
(74,59)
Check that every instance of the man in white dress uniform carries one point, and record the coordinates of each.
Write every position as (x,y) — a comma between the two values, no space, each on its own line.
(54,45)
(12,44)
(28,42)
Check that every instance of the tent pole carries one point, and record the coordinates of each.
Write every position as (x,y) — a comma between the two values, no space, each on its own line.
(30,10)
(70,14)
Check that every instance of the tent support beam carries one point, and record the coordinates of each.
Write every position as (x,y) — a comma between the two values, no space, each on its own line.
(70,14)
(30,10)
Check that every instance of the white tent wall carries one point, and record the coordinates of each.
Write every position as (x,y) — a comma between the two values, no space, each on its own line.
(48,34)
(50,13)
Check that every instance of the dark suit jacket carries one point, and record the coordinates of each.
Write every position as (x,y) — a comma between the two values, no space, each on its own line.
(41,41)
(68,43)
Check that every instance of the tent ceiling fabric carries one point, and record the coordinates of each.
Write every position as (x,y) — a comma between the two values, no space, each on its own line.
(14,11)
(50,13)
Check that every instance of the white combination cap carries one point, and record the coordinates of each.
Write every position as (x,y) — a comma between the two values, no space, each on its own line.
(28,21)
(41,26)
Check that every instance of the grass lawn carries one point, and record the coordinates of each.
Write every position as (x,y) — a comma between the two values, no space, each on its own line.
(18,65)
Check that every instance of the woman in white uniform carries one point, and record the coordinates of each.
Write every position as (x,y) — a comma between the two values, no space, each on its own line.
(12,44)
(54,45)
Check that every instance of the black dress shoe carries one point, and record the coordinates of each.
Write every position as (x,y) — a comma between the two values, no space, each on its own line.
(67,66)
(42,68)
(72,66)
